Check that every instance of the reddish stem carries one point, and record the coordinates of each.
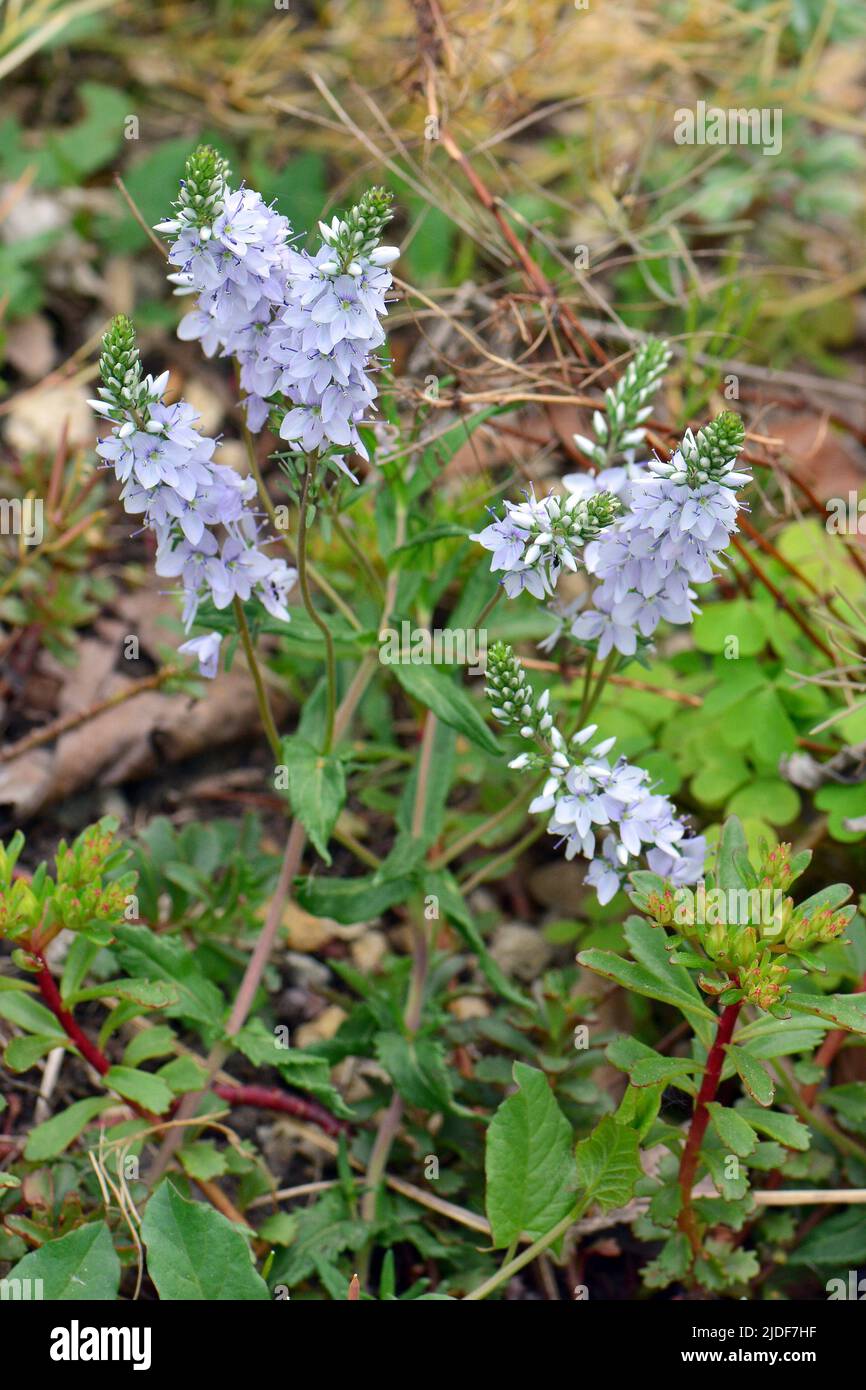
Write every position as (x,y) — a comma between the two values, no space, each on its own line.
(51,994)
(272,1098)
(264,1097)
(701,1118)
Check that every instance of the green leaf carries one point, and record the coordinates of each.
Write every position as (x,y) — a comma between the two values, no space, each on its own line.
(350,900)
(768,797)
(608,1164)
(203,1160)
(786,1128)
(734,618)
(528,1163)
(735,1133)
(21,1009)
(194,1254)
(151,994)
(639,1108)
(23,1053)
(839,1243)
(844,1010)
(324,1230)
(142,1087)
(49,1139)
(756,1080)
(438,692)
(634,976)
(418,1069)
(81,1266)
(732,845)
(154,957)
(317,789)
(304,1069)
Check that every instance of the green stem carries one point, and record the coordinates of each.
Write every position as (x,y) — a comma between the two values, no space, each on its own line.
(841,1141)
(264,703)
(587,677)
(352,545)
(318,579)
(588,706)
(303,580)
(526,1257)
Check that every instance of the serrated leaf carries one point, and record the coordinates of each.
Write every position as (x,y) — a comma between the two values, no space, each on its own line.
(418,1069)
(735,1132)
(150,994)
(81,1266)
(298,1067)
(608,1164)
(528,1161)
(786,1128)
(194,1254)
(846,1011)
(203,1160)
(317,790)
(150,956)
(756,1080)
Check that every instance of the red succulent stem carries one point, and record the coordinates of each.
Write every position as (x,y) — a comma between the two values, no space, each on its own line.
(700,1119)
(263,1097)
(272,1098)
(51,994)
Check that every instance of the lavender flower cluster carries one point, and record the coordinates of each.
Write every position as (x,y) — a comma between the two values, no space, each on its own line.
(303,328)
(680,516)
(169,478)
(590,793)
(538,536)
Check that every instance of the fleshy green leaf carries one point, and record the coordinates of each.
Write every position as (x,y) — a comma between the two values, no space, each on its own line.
(142,1087)
(735,1133)
(49,1139)
(786,1128)
(756,1080)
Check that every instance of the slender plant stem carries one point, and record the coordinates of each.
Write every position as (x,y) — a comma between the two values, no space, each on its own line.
(318,579)
(489,606)
(843,1142)
(687,1220)
(589,704)
(352,545)
(587,678)
(526,1257)
(390,1121)
(262,700)
(290,866)
(51,994)
(330,663)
